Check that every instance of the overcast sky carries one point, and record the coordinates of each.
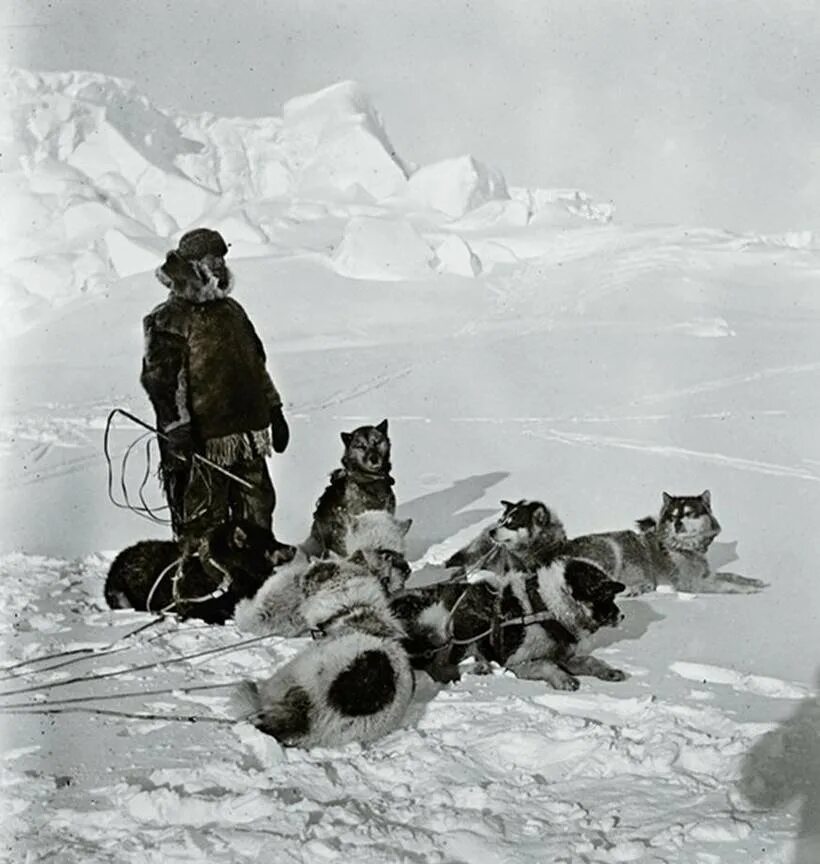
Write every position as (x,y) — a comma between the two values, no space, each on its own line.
(704,113)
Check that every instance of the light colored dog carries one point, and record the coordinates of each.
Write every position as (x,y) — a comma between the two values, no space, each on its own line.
(354,683)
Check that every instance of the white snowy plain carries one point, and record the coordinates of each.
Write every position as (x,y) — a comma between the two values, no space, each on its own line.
(584,363)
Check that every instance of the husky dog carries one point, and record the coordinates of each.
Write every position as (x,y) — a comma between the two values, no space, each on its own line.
(527,535)
(232,561)
(531,623)
(669,549)
(362,483)
(375,541)
(353,683)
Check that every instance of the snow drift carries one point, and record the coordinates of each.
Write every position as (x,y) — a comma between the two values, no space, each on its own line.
(127,178)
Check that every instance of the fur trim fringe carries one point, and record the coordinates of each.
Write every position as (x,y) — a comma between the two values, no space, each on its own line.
(239,447)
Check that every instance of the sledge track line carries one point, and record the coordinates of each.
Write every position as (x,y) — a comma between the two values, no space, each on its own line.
(366,387)
(750,465)
(722,383)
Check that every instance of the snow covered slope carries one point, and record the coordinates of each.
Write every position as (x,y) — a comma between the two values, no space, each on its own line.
(124,178)
(588,364)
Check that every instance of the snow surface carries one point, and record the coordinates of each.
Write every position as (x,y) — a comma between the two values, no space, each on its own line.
(584,363)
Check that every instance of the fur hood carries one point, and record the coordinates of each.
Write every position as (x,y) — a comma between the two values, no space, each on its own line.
(192,280)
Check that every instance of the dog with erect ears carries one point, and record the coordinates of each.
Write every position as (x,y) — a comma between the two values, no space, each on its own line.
(526,535)
(353,683)
(362,483)
(670,549)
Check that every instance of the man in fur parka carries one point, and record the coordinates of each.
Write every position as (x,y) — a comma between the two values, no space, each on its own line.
(204,371)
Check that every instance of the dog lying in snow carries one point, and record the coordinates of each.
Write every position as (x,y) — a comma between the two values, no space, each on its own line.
(669,549)
(354,683)
(374,540)
(526,536)
(362,483)
(232,562)
(530,622)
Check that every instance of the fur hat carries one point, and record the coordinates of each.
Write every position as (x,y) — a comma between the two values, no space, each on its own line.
(195,245)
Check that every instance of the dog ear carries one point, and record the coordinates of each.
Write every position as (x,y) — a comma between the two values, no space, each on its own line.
(541,516)
(347,437)
(666,498)
(507,505)
(404,526)
(382,427)
(706,497)
(240,538)
(615,587)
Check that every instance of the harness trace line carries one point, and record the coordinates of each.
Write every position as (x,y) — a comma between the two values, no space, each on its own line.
(110,712)
(17,670)
(134,694)
(82,679)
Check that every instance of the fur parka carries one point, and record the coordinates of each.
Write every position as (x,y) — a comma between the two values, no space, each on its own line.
(204,366)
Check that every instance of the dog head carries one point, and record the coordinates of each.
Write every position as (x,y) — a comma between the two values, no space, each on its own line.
(367,450)
(248,552)
(580,594)
(686,522)
(525,524)
(375,540)
(593,590)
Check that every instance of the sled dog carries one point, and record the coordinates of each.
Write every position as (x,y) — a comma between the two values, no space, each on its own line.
(668,549)
(526,535)
(362,483)
(353,683)
(232,561)
(529,622)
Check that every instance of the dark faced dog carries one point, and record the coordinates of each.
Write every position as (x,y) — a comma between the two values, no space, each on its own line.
(362,483)
(526,536)
(232,562)
(532,623)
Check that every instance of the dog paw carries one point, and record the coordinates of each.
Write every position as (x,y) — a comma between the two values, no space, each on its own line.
(565,682)
(482,667)
(613,675)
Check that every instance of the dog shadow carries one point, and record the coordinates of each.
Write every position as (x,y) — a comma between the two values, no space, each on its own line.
(441,514)
(639,616)
(784,765)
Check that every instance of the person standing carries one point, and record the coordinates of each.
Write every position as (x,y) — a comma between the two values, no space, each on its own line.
(204,370)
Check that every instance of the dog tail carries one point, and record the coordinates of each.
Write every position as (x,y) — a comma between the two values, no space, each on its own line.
(647,525)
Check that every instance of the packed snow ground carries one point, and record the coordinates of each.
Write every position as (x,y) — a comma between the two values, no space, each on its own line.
(583,363)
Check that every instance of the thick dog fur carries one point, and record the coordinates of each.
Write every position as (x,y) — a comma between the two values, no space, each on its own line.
(237,552)
(375,540)
(354,683)
(573,598)
(668,550)
(362,483)
(526,536)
